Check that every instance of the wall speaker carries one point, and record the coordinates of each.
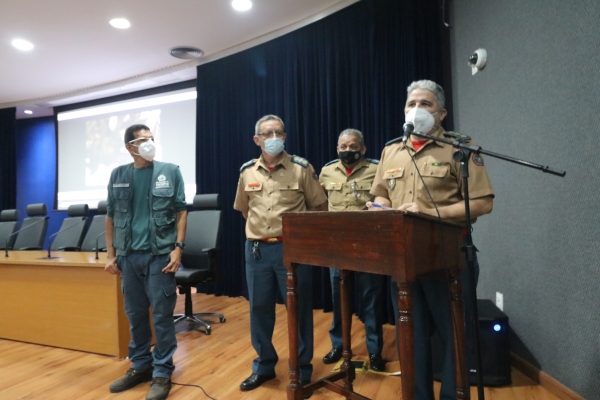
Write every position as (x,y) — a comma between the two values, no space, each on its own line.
(495,348)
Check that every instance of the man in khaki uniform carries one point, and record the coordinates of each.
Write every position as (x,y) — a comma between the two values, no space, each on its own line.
(348,181)
(398,185)
(269,186)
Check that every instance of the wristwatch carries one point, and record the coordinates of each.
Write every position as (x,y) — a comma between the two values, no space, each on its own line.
(181,245)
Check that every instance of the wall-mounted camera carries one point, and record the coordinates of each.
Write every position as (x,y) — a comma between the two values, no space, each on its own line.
(477,60)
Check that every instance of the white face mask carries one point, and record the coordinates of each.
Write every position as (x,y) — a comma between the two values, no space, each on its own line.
(422,119)
(147,150)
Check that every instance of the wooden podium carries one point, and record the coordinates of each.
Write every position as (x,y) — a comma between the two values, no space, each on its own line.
(383,242)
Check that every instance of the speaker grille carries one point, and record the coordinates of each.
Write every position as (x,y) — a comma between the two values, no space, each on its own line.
(186,52)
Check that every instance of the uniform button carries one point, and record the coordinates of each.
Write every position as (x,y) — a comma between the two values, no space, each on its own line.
(268,209)
(270,192)
(411,174)
(410,192)
(268,227)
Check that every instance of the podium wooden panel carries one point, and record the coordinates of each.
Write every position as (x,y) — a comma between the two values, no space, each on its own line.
(67,302)
(383,242)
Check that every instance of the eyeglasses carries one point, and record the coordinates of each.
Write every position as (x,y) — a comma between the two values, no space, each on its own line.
(268,135)
(139,141)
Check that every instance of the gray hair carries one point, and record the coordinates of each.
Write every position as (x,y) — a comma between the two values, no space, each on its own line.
(353,132)
(268,117)
(433,87)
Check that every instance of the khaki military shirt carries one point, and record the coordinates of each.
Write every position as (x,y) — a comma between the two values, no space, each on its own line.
(348,192)
(397,180)
(292,186)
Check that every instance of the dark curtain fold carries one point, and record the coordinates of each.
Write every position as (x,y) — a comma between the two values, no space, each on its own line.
(350,69)
(8,159)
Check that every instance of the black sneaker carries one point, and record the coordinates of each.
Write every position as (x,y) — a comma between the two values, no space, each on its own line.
(132,378)
(159,389)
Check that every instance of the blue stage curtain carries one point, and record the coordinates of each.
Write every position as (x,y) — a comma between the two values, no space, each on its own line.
(8,159)
(350,69)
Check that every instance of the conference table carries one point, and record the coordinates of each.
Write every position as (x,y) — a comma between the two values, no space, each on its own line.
(68,302)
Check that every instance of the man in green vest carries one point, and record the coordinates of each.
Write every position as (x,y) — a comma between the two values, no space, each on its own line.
(145,232)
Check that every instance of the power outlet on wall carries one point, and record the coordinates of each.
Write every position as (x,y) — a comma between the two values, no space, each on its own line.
(500,301)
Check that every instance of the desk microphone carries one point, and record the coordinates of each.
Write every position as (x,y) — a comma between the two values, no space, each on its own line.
(98,237)
(54,234)
(22,229)
(408,127)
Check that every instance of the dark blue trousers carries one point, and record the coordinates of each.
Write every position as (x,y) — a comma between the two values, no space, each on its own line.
(370,288)
(431,311)
(265,278)
(145,285)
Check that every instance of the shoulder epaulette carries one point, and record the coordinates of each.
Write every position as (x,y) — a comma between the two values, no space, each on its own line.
(398,139)
(248,164)
(372,161)
(300,161)
(458,136)
(332,162)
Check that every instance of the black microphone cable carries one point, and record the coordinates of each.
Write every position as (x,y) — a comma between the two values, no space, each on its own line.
(198,386)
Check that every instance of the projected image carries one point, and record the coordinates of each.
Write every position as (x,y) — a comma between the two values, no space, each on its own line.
(105,146)
(91,145)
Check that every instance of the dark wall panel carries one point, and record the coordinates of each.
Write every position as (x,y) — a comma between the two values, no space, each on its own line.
(537,99)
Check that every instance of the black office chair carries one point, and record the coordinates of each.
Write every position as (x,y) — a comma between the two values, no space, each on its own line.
(33,228)
(200,260)
(96,233)
(9,223)
(72,229)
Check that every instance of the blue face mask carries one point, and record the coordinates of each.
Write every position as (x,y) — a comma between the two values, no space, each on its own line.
(274,146)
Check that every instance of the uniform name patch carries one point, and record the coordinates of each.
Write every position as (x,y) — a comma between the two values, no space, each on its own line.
(120,185)
(160,185)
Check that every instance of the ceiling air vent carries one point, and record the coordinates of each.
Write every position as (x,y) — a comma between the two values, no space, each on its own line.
(186,52)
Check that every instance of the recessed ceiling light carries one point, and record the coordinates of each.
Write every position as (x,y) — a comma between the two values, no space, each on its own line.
(119,23)
(28,112)
(22,44)
(241,5)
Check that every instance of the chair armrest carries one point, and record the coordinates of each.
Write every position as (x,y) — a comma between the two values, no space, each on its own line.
(211,250)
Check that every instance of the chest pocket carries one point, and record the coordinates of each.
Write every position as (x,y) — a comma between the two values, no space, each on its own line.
(433,171)
(121,200)
(288,193)
(358,187)
(333,186)
(162,199)
(253,187)
(393,174)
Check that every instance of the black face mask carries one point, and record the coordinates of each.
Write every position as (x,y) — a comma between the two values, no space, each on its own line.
(349,157)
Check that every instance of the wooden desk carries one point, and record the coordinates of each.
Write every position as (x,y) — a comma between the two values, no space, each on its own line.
(67,302)
(382,242)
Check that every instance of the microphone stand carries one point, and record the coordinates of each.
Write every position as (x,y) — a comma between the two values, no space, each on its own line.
(22,229)
(462,155)
(49,257)
(98,237)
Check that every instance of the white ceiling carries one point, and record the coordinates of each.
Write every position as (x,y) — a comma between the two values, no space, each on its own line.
(78,56)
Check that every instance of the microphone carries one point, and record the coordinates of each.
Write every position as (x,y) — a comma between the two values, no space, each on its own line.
(54,234)
(98,237)
(408,127)
(22,229)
